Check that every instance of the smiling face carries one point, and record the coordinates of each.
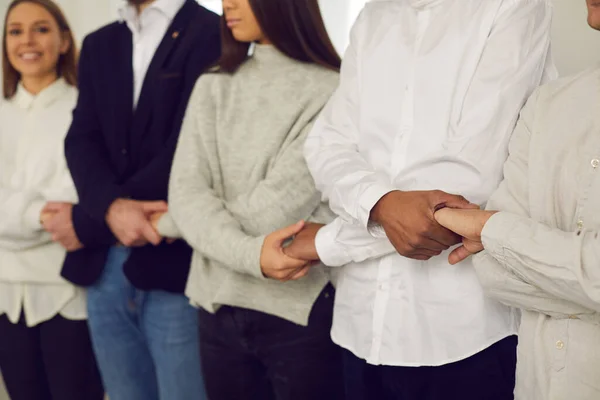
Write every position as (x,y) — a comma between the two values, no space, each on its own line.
(594,13)
(34,42)
(242,22)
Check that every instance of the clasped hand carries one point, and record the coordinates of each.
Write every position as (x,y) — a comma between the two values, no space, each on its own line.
(286,263)
(469,225)
(134,222)
(56,219)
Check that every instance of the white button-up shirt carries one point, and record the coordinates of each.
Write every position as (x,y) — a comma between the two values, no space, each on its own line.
(148,29)
(543,248)
(430,92)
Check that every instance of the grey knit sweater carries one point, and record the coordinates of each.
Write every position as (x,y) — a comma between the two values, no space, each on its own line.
(239,174)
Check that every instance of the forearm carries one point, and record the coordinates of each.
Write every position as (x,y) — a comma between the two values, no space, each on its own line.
(340,243)
(563,264)
(506,287)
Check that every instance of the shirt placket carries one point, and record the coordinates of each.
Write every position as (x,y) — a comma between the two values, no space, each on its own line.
(398,162)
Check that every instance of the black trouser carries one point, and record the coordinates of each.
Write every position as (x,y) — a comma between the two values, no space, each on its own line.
(488,375)
(51,361)
(249,355)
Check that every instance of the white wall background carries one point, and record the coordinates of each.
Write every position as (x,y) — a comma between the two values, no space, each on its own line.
(576,46)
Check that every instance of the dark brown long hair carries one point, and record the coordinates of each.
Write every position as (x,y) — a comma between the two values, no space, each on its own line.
(295,27)
(67,63)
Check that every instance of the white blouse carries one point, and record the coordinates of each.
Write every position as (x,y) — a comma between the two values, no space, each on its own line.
(543,248)
(33,171)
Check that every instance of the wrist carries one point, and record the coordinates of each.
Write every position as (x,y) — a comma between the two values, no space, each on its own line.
(378,211)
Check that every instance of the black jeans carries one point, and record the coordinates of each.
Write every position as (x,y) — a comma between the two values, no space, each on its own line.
(51,361)
(249,355)
(488,375)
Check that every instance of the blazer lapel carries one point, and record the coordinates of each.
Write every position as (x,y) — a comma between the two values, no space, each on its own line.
(168,43)
(123,78)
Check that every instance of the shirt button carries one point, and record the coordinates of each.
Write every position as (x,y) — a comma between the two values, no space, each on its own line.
(560,345)
(580,224)
(595,163)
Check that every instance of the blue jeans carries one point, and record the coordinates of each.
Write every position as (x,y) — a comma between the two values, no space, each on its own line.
(146,343)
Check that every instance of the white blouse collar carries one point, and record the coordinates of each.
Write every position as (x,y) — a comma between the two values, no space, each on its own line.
(25,99)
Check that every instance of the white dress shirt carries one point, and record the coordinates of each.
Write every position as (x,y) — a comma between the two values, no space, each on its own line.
(33,171)
(543,248)
(148,29)
(430,92)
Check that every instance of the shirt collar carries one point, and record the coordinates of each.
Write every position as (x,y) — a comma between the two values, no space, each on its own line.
(168,8)
(25,99)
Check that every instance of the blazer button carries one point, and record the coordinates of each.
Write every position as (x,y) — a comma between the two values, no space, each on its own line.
(124,152)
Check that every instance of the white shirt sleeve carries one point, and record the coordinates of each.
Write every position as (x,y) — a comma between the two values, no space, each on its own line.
(512,66)
(527,264)
(341,173)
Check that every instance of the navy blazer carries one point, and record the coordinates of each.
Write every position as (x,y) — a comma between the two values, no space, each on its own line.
(114,152)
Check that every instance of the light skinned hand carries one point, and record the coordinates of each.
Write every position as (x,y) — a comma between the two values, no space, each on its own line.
(408,221)
(129,221)
(467,223)
(275,263)
(57,220)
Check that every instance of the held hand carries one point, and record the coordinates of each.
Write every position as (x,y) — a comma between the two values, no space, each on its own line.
(57,220)
(275,263)
(468,224)
(129,220)
(303,246)
(409,223)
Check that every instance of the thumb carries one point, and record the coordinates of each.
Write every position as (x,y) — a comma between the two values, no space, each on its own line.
(150,207)
(459,254)
(54,206)
(281,235)
(150,234)
(456,201)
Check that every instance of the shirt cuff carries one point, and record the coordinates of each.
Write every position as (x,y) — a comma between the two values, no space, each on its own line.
(328,250)
(33,215)
(497,231)
(367,201)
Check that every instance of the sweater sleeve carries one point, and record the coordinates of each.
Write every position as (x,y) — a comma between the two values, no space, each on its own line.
(199,213)
(287,194)
(20,215)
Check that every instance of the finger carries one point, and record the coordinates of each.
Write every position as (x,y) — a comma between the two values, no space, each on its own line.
(150,207)
(294,251)
(430,243)
(459,254)
(301,273)
(420,257)
(54,206)
(283,234)
(444,236)
(442,199)
(290,263)
(150,234)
